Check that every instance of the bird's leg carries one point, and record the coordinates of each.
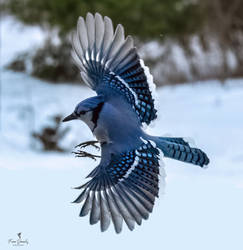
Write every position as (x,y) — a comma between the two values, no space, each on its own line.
(81,153)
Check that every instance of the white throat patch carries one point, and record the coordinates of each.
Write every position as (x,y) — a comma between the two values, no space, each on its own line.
(87,118)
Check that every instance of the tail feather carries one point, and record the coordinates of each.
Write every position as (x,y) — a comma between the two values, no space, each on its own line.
(177,140)
(178,149)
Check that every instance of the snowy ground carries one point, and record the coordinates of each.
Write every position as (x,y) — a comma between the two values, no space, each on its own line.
(201,209)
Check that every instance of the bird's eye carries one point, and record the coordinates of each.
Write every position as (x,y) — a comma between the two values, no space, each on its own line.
(82,112)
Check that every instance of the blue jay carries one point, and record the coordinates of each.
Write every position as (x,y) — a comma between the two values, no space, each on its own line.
(125,183)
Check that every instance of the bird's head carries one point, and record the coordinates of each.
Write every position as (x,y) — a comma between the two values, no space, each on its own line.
(81,112)
(86,110)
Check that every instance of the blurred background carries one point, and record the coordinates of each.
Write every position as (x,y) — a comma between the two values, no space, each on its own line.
(194,51)
(182,40)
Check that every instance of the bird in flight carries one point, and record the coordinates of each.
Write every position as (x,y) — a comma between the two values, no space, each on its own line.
(124,185)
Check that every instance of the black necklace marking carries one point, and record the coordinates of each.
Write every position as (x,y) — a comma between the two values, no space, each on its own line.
(96,113)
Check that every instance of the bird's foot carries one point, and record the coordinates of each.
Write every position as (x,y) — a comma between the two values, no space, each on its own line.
(81,153)
(88,143)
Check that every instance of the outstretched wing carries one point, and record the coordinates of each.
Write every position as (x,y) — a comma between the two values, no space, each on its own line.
(110,64)
(123,189)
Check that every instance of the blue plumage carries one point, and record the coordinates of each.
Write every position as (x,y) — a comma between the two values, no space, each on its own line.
(180,150)
(89,104)
(124,185)
(135,175)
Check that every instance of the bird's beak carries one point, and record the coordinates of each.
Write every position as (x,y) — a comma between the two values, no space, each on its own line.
(70,117)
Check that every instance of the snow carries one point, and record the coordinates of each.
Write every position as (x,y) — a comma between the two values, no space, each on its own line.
(16,38)
(201,208)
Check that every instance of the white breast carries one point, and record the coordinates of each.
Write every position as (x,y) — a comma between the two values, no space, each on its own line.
(101,134)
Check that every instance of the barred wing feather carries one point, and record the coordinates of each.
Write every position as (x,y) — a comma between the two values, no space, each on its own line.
(109,63)
(123,190)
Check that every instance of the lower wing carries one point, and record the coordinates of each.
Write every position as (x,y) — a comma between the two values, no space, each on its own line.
(124,189)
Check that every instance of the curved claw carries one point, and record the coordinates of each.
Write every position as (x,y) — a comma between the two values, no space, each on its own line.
(81,153)
(88,143)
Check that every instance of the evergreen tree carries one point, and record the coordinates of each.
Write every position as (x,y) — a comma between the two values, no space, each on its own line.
(147,19)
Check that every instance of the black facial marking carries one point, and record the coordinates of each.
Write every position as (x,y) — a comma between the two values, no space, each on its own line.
(79,113)
(96,113)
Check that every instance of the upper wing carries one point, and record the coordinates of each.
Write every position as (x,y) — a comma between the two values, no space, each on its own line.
(110,65)
(123,189)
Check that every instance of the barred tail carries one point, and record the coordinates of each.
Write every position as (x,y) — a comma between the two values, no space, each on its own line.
(178,149)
